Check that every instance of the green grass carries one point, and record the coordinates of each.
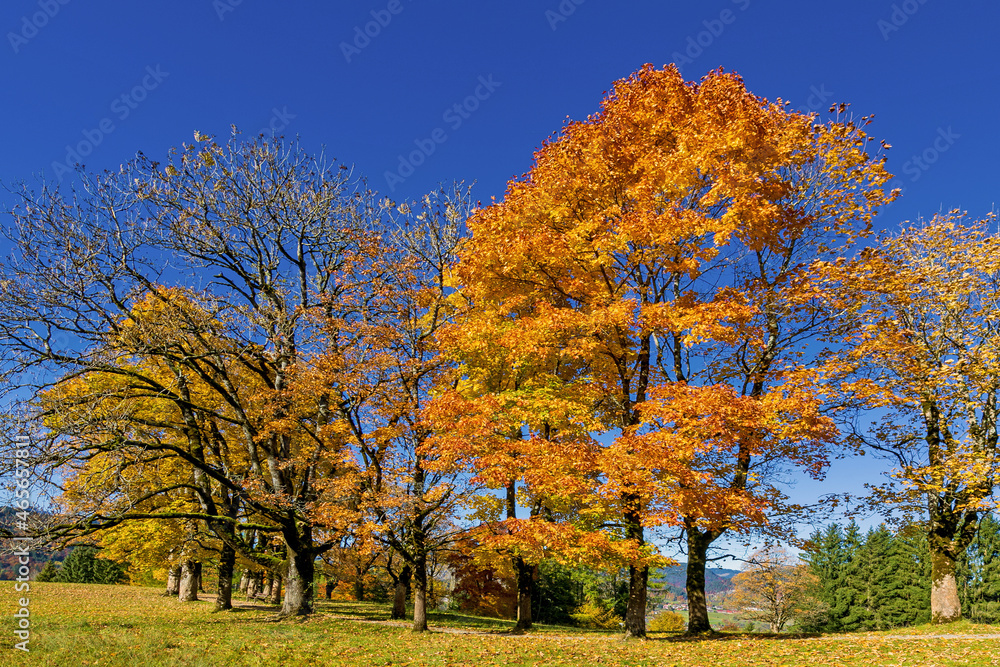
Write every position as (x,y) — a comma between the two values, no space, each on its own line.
(118,625)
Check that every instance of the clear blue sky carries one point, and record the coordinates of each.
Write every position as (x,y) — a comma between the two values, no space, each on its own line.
(110,77)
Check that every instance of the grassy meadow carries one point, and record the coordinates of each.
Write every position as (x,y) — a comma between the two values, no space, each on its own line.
(77,624)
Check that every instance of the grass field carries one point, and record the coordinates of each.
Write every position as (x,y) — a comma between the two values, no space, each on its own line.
(117,625)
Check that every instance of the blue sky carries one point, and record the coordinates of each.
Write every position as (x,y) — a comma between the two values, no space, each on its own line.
(111,77)
(415,92)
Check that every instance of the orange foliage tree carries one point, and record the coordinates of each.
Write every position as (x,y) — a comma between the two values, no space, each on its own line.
(388,372)
(658,250)
(509,411)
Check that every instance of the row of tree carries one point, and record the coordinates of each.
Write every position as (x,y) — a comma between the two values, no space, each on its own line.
(247,353)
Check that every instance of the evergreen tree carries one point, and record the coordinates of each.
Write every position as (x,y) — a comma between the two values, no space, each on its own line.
(850,600)
(978,574)
(82,566)
(922,573)
(49,572)
(875,582)
(826,562)
(556,595)
(882,584)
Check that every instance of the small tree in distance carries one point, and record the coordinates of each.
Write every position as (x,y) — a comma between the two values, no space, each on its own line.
(773,588)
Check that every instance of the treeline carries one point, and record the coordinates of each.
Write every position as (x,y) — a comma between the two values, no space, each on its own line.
(882,578)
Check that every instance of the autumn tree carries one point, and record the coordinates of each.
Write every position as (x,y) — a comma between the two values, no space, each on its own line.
(507,407)
(773,588)
(658,250)
(269,246)
(923,350)
(388,372)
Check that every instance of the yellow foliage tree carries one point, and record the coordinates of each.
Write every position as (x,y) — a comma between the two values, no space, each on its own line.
(923,349)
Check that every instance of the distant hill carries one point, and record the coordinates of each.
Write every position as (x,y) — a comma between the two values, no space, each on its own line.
(717,580)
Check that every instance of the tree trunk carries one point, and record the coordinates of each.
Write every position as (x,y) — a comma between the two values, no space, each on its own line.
(945,605)
(697,548)
(420,593)
(635,610)
(638,577)
(265,590)
(188,590)
(199,583)
(330,585)
(525,589)
(244,581)
(522,571)
(173,580)
(401,590)
(359,587)
(224,596)
(275,593)
(299,589)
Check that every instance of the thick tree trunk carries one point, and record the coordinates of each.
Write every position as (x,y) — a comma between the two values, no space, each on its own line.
(402,589)
(330,585)
(697,548)
(200,583)
(299,588)
(274,596)
(638,577)
(525,588)
(173,580)
(420,594)
(945,605)
(359,587)
(265,591)
(635,610)
(188,591)
(224,596)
